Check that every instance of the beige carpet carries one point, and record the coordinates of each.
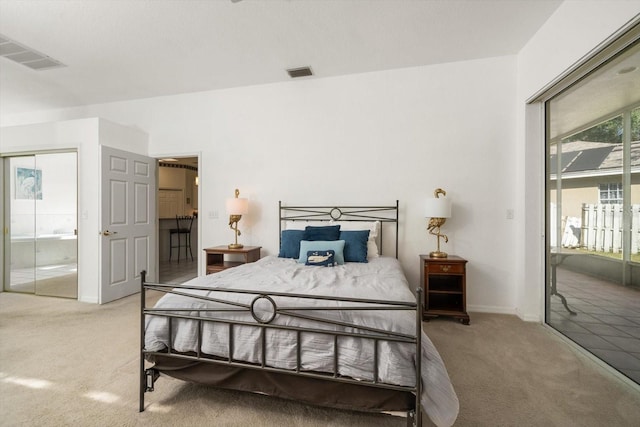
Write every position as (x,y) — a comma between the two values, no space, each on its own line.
(65,363)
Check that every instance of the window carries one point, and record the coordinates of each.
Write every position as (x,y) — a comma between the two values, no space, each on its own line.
(611,193)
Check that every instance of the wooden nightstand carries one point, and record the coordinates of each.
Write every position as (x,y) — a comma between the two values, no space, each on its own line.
(445,289)
(216,257)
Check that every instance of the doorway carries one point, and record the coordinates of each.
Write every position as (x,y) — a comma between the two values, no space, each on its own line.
(178,182)
(41,231)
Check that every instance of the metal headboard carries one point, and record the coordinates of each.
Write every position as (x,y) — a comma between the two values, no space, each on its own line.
(384,214)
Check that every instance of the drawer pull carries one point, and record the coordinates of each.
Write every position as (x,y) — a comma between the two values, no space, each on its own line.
(445,268)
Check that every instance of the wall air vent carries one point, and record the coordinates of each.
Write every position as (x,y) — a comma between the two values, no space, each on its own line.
(26,56)
(300,72)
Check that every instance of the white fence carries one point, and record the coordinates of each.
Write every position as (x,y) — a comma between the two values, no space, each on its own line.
(600,229)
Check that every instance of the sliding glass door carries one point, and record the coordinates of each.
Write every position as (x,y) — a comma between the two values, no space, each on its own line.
(593,211)
(40,196)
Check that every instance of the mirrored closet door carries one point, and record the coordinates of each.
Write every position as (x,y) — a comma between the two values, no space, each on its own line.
(41,252)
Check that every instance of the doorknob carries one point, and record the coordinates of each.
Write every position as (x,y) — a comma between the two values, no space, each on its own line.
(108,233)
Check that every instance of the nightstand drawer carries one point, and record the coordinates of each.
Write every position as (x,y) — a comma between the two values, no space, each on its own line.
(445,268)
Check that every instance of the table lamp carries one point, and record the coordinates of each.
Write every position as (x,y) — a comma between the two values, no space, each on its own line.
(438,210)
(236,207)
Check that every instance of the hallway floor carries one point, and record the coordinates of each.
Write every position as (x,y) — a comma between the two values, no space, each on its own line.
(174,272)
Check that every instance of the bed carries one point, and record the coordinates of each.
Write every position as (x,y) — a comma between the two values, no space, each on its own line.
(343,336)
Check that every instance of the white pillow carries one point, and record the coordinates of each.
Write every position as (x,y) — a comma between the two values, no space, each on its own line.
(302,224)
(372,226)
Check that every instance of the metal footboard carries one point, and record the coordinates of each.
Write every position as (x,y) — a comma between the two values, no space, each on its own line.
(263,320)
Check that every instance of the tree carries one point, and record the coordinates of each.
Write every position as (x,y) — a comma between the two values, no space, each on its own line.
(610,131)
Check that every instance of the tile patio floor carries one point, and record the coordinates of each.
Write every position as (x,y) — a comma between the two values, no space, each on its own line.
(607,320)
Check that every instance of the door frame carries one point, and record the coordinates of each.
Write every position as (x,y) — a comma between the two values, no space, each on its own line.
(173,154)
(2,223)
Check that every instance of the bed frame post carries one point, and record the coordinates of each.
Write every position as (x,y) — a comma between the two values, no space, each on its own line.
(397,226)
(143,276)
(417,421)
(279,223)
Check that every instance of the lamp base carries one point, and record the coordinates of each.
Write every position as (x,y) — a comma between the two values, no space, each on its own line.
(235,246)
(437,254)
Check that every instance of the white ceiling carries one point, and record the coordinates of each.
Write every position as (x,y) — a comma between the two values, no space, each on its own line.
(128,49)
(606,91)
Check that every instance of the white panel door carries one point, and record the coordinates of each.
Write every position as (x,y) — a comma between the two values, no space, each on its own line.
(128,221)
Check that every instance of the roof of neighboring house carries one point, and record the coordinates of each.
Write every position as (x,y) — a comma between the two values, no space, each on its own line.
(585,158)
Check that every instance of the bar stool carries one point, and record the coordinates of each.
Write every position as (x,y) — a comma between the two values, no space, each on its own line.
(183,227)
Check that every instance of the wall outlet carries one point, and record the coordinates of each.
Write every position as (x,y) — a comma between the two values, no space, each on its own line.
(509,213)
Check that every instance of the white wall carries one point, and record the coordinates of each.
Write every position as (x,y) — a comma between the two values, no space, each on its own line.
(359,139)
(572,32)
(85,136)
(80,135)
(374,138)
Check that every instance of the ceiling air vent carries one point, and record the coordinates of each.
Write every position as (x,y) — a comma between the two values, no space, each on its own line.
(26,56)
(300,72)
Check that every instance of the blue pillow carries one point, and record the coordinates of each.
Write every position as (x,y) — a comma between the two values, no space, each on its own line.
(329,232)
(337,246)
(290,243)
(355,246)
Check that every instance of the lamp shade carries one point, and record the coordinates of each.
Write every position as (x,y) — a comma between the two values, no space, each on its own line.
(438,207)
(237,206)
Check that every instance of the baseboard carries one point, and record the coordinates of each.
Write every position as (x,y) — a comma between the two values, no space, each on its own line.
(490,309)
(90,300)
(503,310)
(528,317)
